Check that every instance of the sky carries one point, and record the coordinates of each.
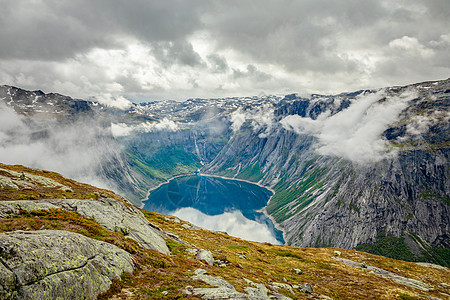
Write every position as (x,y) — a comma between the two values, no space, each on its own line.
(147,50)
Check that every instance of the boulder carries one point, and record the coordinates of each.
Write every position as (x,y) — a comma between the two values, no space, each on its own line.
(54,264)
(206,256)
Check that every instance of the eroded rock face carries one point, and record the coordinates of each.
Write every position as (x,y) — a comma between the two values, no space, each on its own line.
(108,212)
(54,264)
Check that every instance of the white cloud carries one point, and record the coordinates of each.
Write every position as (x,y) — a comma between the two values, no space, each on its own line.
(234,223)
(411,45)
(261,118)
(356,132)
(75,150)
(113,101)
(122,129)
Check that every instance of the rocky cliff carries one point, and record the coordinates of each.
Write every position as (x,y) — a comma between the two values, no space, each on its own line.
(333,188)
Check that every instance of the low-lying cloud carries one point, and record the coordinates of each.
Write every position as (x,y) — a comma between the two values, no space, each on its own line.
(76,150)
(113,101)
(234,223)
(122,129)
(261,119)
(356,132)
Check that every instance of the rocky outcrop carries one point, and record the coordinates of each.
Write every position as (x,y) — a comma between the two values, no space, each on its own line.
(53,264)
(224,290)
(387,274)
(108,212)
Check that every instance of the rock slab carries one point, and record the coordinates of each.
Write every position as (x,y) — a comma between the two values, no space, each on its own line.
(108,212)
(54,264)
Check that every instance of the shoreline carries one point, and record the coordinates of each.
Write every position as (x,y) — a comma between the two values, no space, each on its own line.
(159,185)
(262,210)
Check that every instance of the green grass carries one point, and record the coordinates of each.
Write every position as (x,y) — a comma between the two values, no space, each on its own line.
(285,195)
(285,253)
(238,247)
(428,195)
(165,163)
(252,173)
(389,246)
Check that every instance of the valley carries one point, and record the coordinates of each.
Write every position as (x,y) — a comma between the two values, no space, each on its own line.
(366,170)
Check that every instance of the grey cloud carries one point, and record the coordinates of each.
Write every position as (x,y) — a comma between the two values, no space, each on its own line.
(182,53)
(55,29)
(251,72)
(218,63)
(201,48)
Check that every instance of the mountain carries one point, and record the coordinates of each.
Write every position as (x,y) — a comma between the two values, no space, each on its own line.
(366,170)
(333,188)
(61,239)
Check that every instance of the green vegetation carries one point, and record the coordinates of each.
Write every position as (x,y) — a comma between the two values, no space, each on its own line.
(396,248)
(389,246)
(428,195)
(294,195)
(252,173)
(238,247)
(286,253)
(165,163)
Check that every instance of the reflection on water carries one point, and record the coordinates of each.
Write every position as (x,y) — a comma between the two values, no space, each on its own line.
(234,223)
(217,204)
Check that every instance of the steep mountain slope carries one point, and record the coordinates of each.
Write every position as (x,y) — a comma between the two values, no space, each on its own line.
(345,185)
(39,228)
(367,169)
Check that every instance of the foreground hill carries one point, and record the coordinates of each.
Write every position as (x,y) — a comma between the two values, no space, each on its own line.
(60,238)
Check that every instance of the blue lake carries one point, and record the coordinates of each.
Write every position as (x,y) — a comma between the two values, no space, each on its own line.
(216,203)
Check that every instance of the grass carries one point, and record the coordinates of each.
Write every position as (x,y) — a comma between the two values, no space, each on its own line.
(78,190)
(294,194)
(389,246)
(252,173)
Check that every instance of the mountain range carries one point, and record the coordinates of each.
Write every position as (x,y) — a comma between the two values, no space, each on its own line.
(365,170)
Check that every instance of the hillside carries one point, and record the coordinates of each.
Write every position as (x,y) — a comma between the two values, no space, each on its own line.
(362,170)
(43,214)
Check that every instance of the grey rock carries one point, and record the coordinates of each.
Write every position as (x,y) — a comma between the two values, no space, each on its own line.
(108,212)
(200,272)
(278,285)
(386,274)
(242,256)
(224,290)
(192,251)
(298,271)
(186,226)
(338,253)
(305,288)
(55,264)
(206,256)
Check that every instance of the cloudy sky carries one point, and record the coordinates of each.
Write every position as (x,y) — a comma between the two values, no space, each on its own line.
(177,49)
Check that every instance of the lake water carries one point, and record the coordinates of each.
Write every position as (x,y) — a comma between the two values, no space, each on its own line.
(217,204)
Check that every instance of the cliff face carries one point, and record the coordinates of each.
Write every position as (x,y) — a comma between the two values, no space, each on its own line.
(331,191)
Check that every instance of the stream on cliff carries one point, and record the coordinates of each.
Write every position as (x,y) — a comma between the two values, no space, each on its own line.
(216,203)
